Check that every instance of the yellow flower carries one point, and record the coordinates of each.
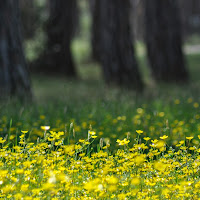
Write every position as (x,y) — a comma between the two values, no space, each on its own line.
(12,137)
(112,180)
(160,145)
(86,143)
(24,187)
(122,142)
(135,181)
(189,138)
(94,184)
(24,132)
(139,131)
(92,132)
(196,105)
(146,138)
(81,141)
(154,141)
(45,128)
(1,140)
(177,101)
(42,117)
(48,186)
(161,114)
(164,137)
(139,159)
(19,171)
(182,142)
(160,166)
(189,100)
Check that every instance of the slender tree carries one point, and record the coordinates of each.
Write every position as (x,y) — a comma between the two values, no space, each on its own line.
(116,44)
(57,56)
(164,40)
(14,76)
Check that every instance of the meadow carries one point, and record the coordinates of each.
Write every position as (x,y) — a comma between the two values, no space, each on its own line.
(80,139)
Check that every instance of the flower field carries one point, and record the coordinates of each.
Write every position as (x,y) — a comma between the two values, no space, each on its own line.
(149,169)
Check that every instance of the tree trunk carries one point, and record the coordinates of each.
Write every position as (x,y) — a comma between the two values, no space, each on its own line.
(14,76)
(29,18)
(57,58)
(95,6)
(116,45)
(164,41)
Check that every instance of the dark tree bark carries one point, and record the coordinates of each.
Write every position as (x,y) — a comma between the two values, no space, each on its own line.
(164,41)
(29,18)
(116,45)
(190,13)
(14,76)
(57,57)
(95,6)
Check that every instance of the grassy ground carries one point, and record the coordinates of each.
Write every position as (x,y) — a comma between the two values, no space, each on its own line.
(111,111)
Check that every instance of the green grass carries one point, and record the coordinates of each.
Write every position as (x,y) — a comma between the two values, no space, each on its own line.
(88,101)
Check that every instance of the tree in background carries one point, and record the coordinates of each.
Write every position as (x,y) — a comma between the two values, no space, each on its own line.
(164,40)
(190,13)
(95,6)
(115,44)
(14,76)
(30,18)
(57,56)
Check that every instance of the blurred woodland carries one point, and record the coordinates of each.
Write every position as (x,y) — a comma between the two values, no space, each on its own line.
(57,37)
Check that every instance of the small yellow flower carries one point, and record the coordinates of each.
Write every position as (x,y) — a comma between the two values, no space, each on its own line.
(177,101)
(189,100)
(154,141)
(24,187)
(86,143)
(81,140)
(24,132)
(139,131)
(12,137)
(135,181)
(100,133)
(161,114)
(146,138)
(123,142)
(1,140)
(45,128)
(189,138)
(42,117)
(92,132)
(164,137)
(196,105)
(160,166)
(19,171)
